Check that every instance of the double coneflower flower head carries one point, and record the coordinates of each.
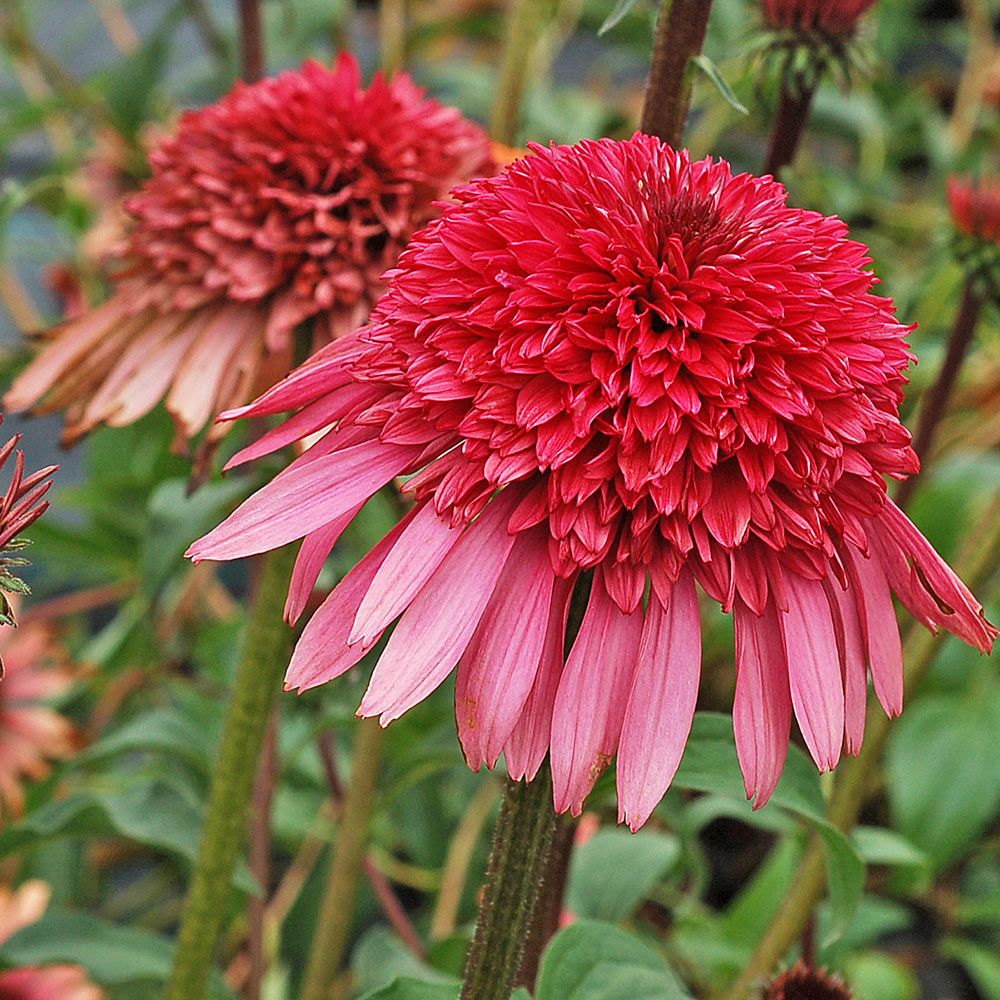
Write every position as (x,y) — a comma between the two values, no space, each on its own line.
(614,373)
(280,205)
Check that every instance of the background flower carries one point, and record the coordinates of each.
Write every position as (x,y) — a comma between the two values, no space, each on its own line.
(281,204)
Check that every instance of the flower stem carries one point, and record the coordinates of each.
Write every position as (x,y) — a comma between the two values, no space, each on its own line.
(680,34)
(337,910)
(519,860)
(524,21)
(251,41)
(789,125)
(853,784)
(266,649)
(936,401)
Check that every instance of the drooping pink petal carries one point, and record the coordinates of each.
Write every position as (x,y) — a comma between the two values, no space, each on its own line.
(592,696)
(310,493)
(814,670)
(877,618)
(426,542)
(497,671)
(661,703)
(853,662)
(762,706)
(528,744)
(436,628)
(323,652)
(316,546)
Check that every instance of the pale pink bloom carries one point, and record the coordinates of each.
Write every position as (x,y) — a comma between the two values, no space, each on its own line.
(19,908)
(279,205)
(613,366)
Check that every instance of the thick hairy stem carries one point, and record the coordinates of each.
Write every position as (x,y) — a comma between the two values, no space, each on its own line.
(789,126)
(680,34)
(266,650)
(260,859)
(251,41)
(853,783)
(935,403)
(337,910)
(519,861)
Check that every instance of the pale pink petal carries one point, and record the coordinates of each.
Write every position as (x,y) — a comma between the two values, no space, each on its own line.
(762,706)
(877,617)
(323,652)
(307,495)
(436,628)
(853,664)
(496,674)
(309,563)
(423,547)
(312,418)
(814,669)
(529,740)
(69,345)
(661,703)
(593,692)
(192,397)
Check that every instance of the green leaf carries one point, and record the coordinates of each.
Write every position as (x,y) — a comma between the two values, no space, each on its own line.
(618,13)
(879,846)
(981,963)
(638,862)
(155,813)
(940,749)
(845,875)
(708,67)
(597,961)
(381,959)
(111,955)
(163,729)
(875,976)
(407,988)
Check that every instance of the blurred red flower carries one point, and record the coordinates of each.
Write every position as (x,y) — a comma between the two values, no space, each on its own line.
(975,207)
(833,17)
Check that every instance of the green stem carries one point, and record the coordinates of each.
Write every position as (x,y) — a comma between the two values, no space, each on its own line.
(519,860)
(266,650)
(854,777)
(337,910)
(680,34)
(525,19)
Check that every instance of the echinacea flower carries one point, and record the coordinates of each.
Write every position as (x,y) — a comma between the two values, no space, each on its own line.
(975,212)
(831,17)
(21,504)
(803,982)
(20,908)
(32,733)
(613,366)
(282,204)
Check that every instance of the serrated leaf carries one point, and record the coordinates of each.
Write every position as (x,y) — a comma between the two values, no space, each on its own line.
(708,67)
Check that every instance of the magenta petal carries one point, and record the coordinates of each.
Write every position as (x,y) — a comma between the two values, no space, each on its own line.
(496,674)
(422,548)
(310,493)
(814,670)
(323,652)
(436,628)
(529,741)
(309,563)
(762,706)
(593,692)
(661,703)
(879,628)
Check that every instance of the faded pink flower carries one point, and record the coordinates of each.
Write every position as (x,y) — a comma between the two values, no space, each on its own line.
(32,733)
(281,204)
(19,908)
(838,18)
(613,359)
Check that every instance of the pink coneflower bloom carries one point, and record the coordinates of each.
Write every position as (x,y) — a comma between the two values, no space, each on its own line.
(613,359)
(20,908)
(975,207)
(32,733)
(281,204)
(838,18)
